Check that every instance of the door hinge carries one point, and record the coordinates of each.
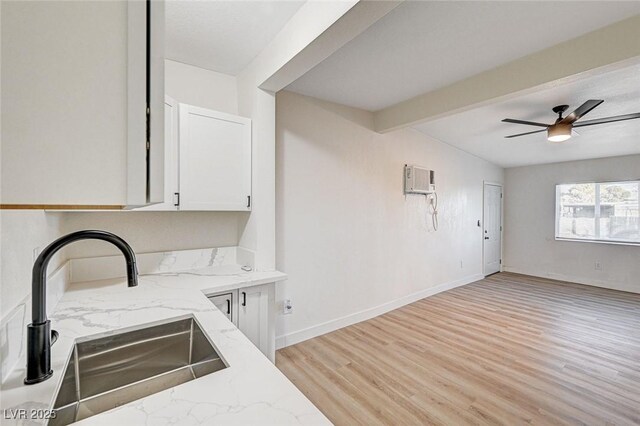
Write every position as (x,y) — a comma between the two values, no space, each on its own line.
(248,201)
(501,261)
(501,229)
(176,199)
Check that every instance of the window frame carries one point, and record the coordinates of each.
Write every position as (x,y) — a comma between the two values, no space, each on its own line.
(596,215)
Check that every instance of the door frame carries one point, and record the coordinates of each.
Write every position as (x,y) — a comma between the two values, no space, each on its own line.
(484,184)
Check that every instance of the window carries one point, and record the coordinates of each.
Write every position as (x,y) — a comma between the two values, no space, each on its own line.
(607,211)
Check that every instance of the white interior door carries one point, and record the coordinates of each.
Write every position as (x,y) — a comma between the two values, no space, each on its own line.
(492,235)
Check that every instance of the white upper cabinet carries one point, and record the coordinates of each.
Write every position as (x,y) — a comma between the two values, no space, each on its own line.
(171,186)
(214,159)
(80,82)
(207,160)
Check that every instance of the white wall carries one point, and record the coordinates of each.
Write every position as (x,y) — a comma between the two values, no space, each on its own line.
(153,231)
(20,233)
(349,239)
(306,39)
(257,230)
(530,245)
(200,87)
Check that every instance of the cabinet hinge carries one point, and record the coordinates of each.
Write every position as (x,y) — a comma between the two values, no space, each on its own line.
(248,201)
(176,199)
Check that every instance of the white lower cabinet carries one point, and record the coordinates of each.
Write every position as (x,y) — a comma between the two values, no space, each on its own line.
(252,310)
(253,315)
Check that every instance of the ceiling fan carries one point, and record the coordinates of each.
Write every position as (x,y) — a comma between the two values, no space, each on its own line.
(560,131)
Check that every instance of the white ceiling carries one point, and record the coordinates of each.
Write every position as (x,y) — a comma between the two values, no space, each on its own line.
(223,36)
(481,132)
(424,45)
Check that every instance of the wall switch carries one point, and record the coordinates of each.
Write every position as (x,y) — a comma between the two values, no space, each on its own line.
(287,307)
(598,266)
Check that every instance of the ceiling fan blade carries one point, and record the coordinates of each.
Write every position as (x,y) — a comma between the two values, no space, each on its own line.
(523,134)
(582,110)
(608,120)
(530,123)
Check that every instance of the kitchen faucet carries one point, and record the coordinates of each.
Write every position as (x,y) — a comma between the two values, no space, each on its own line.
(40,337)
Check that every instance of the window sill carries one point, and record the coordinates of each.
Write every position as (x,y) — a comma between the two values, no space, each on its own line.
(586,240)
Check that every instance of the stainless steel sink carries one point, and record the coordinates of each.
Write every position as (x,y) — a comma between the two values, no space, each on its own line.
(106,372)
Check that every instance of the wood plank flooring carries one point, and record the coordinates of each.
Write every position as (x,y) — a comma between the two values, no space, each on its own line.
(510,349)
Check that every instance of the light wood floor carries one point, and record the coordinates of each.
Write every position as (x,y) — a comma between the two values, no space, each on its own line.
(510,349)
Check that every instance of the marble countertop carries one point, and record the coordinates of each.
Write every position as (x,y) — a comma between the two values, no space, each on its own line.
(250,391)
(214,279)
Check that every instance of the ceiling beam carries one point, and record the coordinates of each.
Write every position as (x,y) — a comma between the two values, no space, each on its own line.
(314,33)
(608,48)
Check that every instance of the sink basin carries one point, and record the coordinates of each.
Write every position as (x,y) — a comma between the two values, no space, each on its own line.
(109,371)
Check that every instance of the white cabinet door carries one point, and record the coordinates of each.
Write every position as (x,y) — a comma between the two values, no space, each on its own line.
(224,302)
(145,103)
(255,317)
(215,160)
(74,94)
(171,186)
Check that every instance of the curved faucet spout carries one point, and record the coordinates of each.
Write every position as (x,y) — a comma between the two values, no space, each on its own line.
(39,331)
(39,274)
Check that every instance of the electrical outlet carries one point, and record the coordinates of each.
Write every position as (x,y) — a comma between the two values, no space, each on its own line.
(287,307)
(598,266)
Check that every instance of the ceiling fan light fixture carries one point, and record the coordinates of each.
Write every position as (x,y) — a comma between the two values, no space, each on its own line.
(559,132)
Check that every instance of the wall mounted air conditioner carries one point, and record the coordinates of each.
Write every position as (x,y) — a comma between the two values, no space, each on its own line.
(418,180)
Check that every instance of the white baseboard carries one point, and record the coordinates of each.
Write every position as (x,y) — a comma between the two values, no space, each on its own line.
(612,285)
(356,317)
